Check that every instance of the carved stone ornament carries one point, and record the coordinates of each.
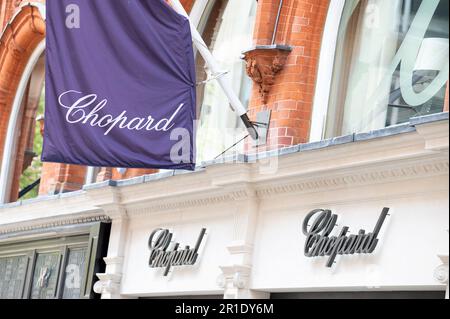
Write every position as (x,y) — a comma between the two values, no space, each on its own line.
(237,275)
(263,65)
(441,272)
(108,284)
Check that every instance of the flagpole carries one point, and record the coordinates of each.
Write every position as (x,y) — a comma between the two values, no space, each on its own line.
(213,65)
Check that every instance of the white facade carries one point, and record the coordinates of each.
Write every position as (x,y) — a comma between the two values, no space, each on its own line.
(253,214)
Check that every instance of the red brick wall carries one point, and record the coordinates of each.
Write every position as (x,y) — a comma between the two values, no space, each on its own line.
(188,4)
(58,178)
(291,97)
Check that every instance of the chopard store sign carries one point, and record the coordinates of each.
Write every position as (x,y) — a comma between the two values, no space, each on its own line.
(164,256)
(318,226)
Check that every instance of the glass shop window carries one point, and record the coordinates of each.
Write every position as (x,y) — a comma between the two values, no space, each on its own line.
(228,31)
(391,64)
(54,268)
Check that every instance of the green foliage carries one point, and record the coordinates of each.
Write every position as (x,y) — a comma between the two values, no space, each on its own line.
(33,172)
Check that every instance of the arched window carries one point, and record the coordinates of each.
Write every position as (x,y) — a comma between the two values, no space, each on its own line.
(228,31)
(22,64)
(21,166)
(391,64)
(29,147)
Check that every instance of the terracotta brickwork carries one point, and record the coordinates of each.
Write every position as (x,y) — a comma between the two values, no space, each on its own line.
(188,4)
(57,178)
(290,97)
(18,42)
(16,47)
(7,8)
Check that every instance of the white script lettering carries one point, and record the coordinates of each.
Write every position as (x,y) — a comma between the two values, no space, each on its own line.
(86,110)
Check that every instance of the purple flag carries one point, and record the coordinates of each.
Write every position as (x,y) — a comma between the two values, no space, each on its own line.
(120,85)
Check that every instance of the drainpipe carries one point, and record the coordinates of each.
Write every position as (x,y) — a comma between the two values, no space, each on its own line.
(277,21)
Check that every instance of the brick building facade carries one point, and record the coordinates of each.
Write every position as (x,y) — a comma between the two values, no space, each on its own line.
(287,90)
(344,134)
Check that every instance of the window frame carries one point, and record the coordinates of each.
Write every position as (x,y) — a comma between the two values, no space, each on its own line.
(326,70)
(60,240)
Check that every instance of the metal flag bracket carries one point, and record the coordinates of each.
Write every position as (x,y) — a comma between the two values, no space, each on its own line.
(223,79)
(212,77)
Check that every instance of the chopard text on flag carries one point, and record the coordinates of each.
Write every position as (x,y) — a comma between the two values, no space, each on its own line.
(120,85)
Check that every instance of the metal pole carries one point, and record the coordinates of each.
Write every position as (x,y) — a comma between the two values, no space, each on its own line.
(277,21)
(224,80)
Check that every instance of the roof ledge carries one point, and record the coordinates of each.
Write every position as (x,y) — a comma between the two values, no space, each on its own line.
(434,130)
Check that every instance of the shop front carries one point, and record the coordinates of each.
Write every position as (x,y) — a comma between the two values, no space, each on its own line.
(364,216)
(359,216)
(344,195)
(51,258)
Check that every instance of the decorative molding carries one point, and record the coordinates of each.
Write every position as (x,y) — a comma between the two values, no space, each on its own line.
(435,135)
(249,189)
(112,205)
(237,275)
(55,222)
(441,274)
(356,179)
(241,185)
(235,280)
(263,65)
(113,260)
(244,193)
(115,211)
(108,285)
(155,205)
(182,201)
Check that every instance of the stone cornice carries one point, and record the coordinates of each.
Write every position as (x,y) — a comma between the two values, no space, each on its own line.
(435,135)
(157,206)
(348,166)
(242,191)
(48,223)
(357,178)
(245,187)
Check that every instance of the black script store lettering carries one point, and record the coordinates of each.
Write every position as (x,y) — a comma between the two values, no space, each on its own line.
(318,226)
(162,256)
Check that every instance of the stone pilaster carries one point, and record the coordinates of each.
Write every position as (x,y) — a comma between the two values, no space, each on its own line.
(111,279)
(441,273)
(235,277)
